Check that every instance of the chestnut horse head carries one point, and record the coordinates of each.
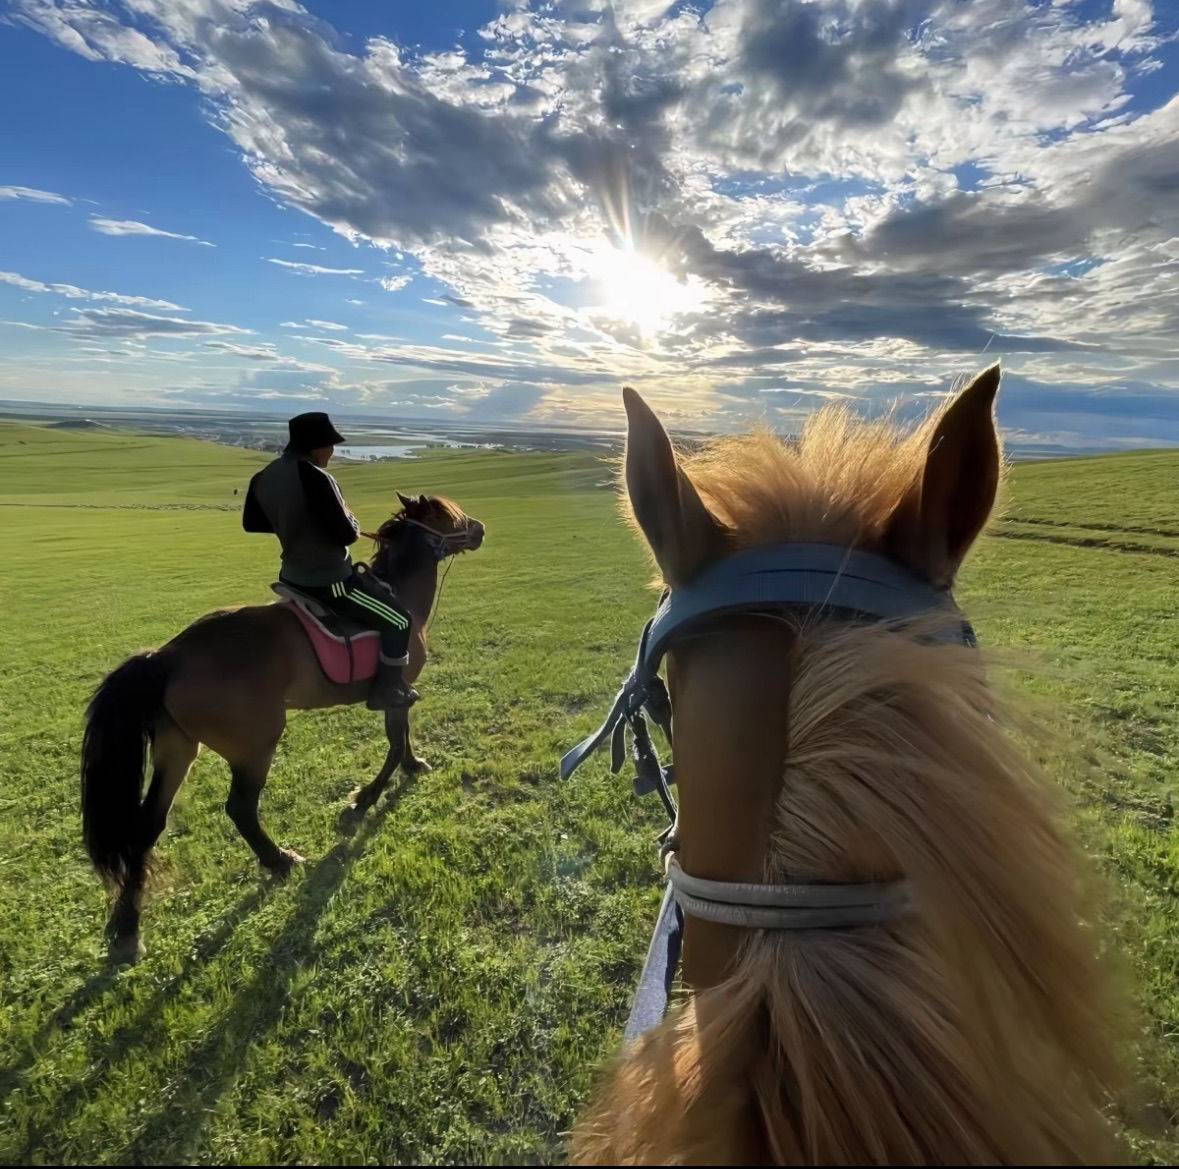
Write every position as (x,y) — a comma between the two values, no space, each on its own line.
(432,522)
(810,748)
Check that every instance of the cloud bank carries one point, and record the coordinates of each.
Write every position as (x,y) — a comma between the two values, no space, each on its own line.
(864,196)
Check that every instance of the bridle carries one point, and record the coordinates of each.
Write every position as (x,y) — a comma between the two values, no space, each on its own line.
(444,544)
(441,544)
(824,580)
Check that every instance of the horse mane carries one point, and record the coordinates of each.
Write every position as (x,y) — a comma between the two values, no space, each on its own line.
(979,1028)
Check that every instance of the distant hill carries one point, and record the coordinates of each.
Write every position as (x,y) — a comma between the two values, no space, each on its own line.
(76,424)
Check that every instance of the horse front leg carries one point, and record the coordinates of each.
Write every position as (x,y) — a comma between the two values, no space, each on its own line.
(411,764)
(396,730)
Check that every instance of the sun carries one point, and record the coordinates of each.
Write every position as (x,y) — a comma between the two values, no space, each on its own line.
(636,289)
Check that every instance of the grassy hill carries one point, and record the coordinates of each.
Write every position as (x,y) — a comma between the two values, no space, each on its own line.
(443,985)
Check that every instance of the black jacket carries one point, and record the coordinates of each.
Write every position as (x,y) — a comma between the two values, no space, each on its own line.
(301,504)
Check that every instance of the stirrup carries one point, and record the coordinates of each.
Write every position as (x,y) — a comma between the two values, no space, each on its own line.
(385,698)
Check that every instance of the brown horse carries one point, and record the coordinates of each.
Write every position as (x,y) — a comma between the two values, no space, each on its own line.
(227,681)
(977,1028)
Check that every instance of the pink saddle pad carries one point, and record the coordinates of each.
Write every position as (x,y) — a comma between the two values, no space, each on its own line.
(332,650)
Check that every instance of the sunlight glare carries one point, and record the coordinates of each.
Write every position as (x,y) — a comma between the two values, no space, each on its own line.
(636,289)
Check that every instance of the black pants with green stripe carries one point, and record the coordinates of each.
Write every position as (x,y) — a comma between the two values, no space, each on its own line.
(370,603)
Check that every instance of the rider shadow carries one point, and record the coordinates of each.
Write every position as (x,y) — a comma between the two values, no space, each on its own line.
(212,1066)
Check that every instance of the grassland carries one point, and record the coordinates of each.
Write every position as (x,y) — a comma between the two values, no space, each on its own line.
(442,985)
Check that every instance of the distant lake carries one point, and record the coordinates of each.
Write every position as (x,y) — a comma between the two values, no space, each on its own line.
(406,444)
(364,453)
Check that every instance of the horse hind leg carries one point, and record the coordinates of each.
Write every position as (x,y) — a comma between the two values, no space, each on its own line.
(172,754)
(245,794)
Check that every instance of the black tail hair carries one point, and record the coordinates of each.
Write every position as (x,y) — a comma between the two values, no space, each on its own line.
(119,724)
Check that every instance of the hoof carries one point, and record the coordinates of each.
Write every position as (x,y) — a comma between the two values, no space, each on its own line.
(349,819)
(287,862)
(126,951)
(416,767)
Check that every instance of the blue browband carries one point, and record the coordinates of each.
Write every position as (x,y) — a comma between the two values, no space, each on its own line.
(821,578)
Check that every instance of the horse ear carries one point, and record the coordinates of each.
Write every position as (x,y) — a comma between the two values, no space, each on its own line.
(943,514)
(404,500)
(423,500)
(681,532)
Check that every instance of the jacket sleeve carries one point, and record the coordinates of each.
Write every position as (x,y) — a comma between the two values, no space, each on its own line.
(326,504)
(254,519)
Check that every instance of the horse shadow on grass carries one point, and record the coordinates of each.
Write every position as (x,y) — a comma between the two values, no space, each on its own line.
(213,1064)
(126,1038)
(95,988)
(255,1010)
(60,1020)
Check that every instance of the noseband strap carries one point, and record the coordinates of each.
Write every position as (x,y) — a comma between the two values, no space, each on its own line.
(443,544)
(788,907)
(821,580)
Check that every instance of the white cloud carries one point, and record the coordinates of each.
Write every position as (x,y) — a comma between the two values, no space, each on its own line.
(133,227)
(260,352)
(830,395)
(33,195)
(129,324)
(73,292)
(314,269)
(393,283)
(99,36)
(312,323)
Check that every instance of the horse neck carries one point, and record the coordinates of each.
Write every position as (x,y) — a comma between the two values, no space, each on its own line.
(415,580)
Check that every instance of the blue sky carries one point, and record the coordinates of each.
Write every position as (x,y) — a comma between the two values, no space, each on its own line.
(503,211)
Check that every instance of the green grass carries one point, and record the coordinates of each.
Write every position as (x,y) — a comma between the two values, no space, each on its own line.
(443,985)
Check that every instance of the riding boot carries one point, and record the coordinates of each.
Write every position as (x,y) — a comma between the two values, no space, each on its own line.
(389,689)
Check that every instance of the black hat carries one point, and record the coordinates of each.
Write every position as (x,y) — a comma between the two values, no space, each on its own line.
(311,431)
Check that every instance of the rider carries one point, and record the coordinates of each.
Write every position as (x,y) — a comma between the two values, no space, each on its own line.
(295,498)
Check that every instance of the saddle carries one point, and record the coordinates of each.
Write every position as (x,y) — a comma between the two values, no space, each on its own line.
(346,650)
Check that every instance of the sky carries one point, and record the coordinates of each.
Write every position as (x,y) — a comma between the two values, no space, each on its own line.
(483,211)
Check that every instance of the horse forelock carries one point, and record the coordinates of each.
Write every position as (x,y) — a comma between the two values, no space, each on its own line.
(448,509)
(841,480)
(900,765)
(436,508)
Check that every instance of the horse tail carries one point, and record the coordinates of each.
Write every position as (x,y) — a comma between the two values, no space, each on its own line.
(119,723)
